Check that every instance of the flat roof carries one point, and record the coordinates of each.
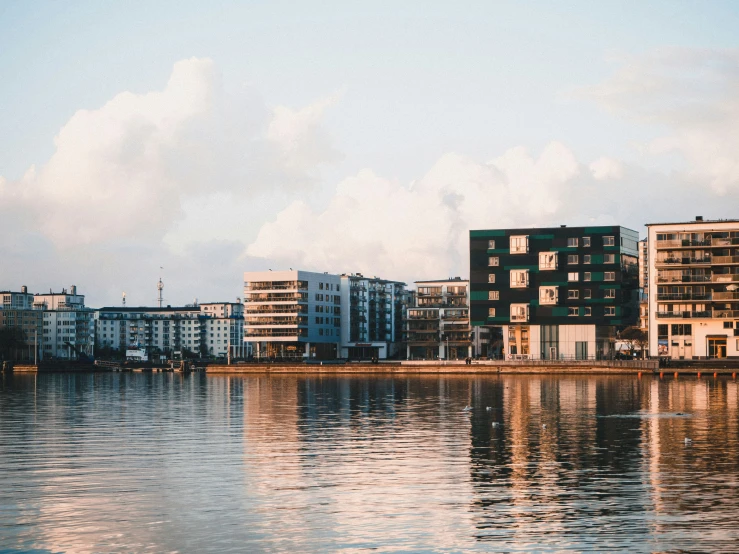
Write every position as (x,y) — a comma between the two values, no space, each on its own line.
(453,280)
(148,309)
(695,222)
(558,227)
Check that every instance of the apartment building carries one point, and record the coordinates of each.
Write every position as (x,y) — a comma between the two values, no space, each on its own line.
(558,293)
(371,317)
(437,325)
(292,314)
(16,312)
(694,285)
(68,326)
(211,329)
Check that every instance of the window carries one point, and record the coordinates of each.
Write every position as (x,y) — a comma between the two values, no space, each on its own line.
(586,241)
(320,286)
(573,259)
(493,295)
(491,244)
(491,312)
(609,276)
(491,277)
(609,259)
(493,261)
(586,276)
(547,295)
(573,294)
(610,311)
(573,277)
(588,311)
(519,278)
(609,293)
(608,241)
(682,329)
(519,244)
(727,325)
(586,259)
(519,312)
(572,242)
(573,311)
(547,260)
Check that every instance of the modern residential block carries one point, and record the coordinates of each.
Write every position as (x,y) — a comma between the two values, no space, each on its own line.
(694,289)
(68,327)
(558,293)
(371,316)
(17,312)
(437,325)
(292,314)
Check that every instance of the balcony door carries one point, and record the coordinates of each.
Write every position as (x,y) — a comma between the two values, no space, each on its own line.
(716,347)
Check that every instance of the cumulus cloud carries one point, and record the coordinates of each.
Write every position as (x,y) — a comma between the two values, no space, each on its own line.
(605,168)
(692,95)
(122,175)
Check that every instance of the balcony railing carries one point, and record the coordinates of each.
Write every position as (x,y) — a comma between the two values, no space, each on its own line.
(682,315)
(680,243)
(725,314)
(725,278)
(706,260)
(725,296)
(719,260)
(679,296)
(684,279)
(722,241)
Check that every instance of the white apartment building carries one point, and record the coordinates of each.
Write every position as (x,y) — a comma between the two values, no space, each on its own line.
(22,300)
(292,314)
(438,323)
(372,312)
(68,326)
(694,289)
(16,311)
(210,329)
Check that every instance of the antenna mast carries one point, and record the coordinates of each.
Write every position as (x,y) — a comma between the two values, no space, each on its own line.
(123,299)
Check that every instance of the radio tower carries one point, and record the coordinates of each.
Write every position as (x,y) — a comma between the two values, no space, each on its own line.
(160,288)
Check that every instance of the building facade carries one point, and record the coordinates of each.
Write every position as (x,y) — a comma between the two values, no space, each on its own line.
(437,325)
(17,313)
(558,293)
(211,329)
(68,326)
(292,314)
(372,313)
(694,289)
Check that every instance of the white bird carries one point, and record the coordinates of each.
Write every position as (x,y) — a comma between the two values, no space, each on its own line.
(489,409)
(544,426)
(496,424)
(688,441)
(467,408)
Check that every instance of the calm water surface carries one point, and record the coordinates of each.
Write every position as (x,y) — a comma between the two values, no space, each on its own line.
(167,462)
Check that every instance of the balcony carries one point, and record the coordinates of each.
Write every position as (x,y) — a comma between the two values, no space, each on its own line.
(678,296)
(725,278)
(725,314)
(723,241)
(682,315)
(706,260)
(725,296)
(725,260)
(684,279)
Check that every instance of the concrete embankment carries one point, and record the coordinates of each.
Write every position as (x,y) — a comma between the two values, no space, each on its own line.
(400,368)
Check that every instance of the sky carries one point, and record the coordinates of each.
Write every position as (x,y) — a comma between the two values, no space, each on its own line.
(194,142)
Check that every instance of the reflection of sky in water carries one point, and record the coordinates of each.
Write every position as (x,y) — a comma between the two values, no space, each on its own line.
(129,462)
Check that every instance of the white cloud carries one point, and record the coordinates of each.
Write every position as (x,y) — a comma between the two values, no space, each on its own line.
(692,95)
(605,168)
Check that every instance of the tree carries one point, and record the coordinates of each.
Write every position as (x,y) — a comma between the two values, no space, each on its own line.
(635,338)
(11,340)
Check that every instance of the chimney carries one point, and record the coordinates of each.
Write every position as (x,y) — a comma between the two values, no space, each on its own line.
(73,290)
(699,218)
(24,289)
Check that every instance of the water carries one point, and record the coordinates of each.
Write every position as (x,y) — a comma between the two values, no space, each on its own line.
(178,463)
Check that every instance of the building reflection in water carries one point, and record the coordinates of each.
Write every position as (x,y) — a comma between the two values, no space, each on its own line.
(135,462)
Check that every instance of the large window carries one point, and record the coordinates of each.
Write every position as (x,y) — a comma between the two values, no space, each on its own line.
(609,293)
(519,278)
(609,258)
(493,261)
(519,312)
(573,259)
(586,241)
(519,244)
(682,329)
(609,276)
(573,311)
(547,295)
(610,311)
(574,276)
(547,260)
(608,241)
(493,295)
(572,242)
(573,294)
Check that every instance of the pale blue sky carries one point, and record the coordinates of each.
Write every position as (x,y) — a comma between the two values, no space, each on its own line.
(413,83)
(421,78)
